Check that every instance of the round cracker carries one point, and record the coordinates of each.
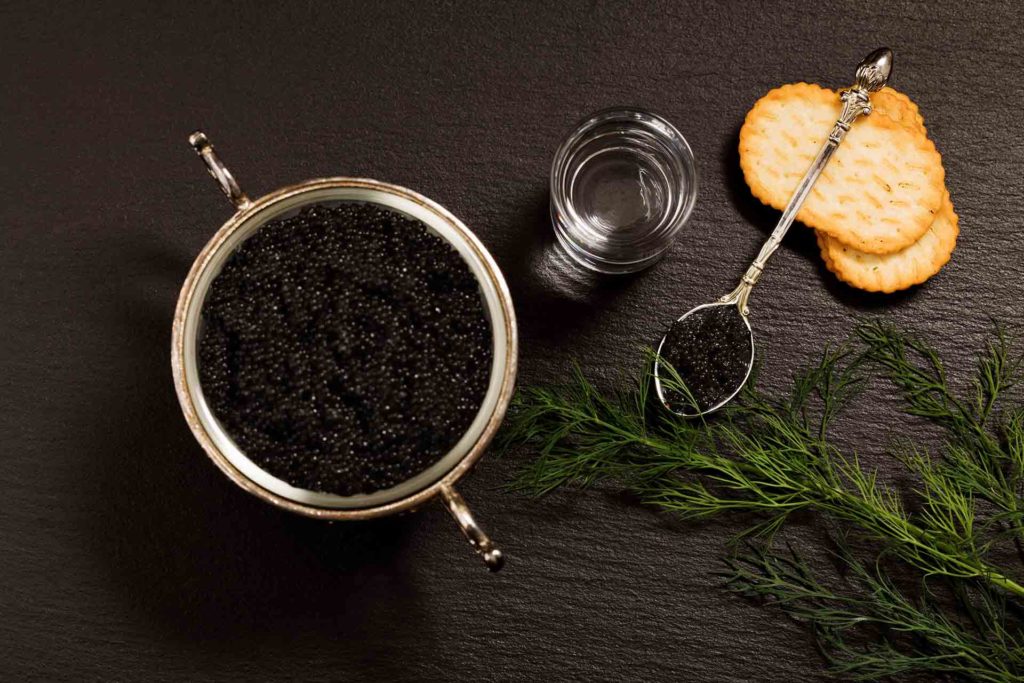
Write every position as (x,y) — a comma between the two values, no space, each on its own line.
(892,272)
(879,194)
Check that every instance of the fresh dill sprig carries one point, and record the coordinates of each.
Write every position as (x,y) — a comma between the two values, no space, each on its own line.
(770,457)
(870,628)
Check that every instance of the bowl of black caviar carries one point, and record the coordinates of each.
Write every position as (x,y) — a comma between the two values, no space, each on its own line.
(344,349)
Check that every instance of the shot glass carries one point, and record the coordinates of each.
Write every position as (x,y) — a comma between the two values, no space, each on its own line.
(623,185)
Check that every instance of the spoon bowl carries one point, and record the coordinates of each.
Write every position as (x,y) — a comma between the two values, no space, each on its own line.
(717,372)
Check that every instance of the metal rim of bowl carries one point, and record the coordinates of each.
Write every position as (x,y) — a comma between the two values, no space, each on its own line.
(189,290)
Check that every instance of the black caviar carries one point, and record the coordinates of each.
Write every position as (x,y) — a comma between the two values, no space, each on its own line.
(711,350)
(345,349)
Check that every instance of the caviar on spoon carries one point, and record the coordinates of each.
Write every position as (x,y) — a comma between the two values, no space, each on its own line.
(706,357)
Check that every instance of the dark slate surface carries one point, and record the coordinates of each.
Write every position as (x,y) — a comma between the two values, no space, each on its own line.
(126,554)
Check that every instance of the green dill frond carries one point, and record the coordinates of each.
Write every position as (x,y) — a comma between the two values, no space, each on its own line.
(869,628)
(998,372)
(767,457)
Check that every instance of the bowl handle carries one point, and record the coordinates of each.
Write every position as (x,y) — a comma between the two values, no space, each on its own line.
(204,148)
(492,557)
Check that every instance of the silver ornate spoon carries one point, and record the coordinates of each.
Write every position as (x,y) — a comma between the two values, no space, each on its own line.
(719,334)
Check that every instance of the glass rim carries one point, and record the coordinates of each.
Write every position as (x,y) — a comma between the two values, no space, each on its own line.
(673,142)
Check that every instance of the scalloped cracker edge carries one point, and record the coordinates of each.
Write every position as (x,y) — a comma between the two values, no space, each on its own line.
(900,270)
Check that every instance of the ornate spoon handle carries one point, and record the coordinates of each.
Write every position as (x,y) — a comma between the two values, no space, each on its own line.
(872,75)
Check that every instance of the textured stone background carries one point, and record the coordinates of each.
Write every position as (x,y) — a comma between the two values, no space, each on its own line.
(127,555)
